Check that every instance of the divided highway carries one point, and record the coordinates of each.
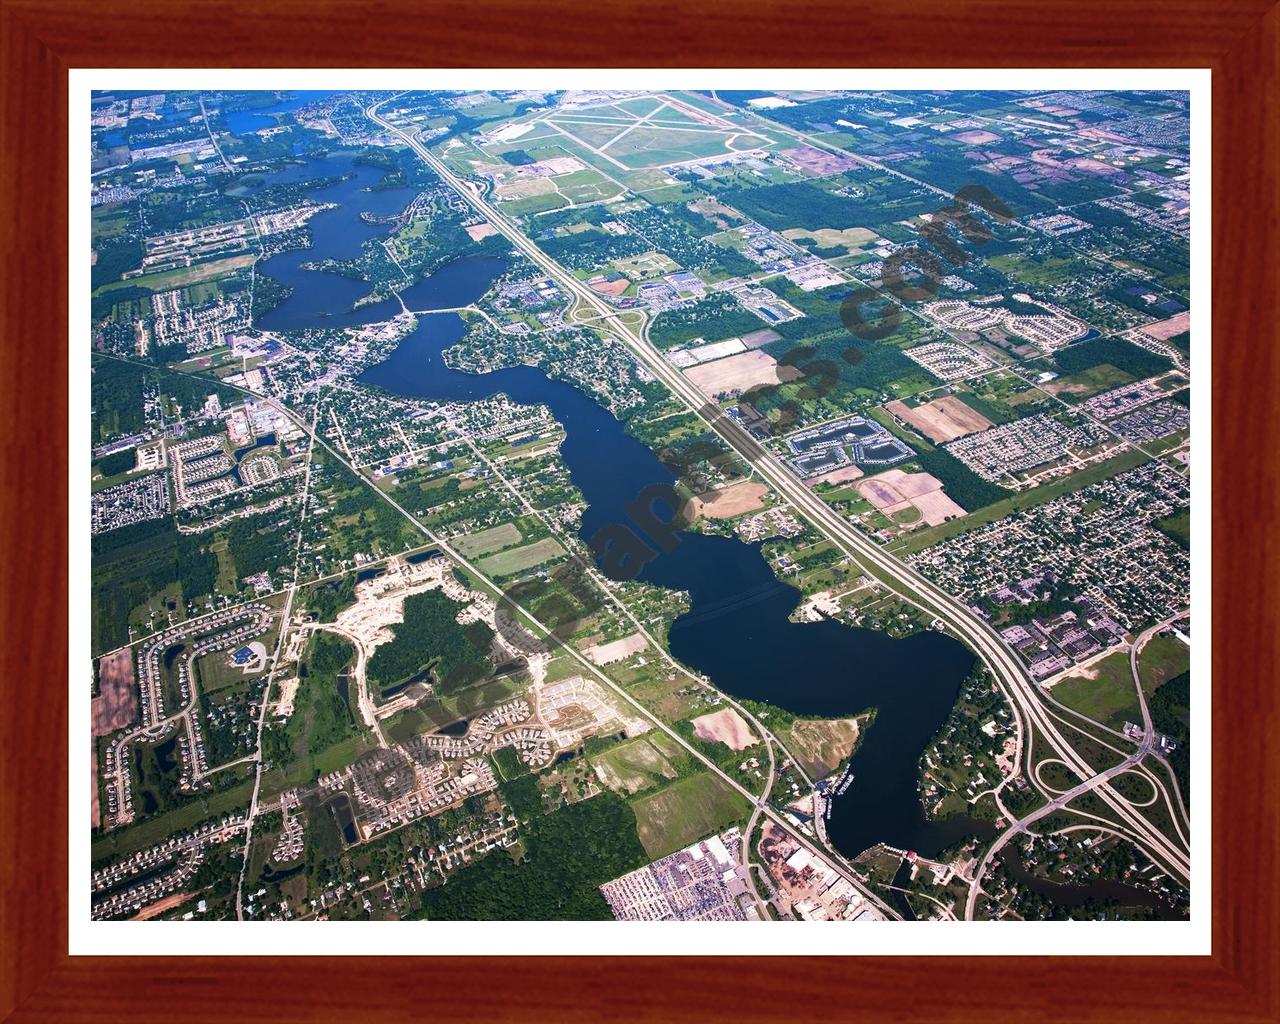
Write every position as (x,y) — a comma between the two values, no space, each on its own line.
(1007,670)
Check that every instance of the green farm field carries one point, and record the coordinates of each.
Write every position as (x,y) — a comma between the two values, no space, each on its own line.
(685,812)
(184,276)
(520,559)
(1109,697)
(486,542)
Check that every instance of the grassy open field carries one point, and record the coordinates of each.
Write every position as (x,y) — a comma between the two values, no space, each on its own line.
(1134,786)
(1177,527)
(183,276)
(685,812)
(535,204)
(633,765)
(520,559)
(656,147)
(432,714)
(153,830)
(640,106)
(1108,697)
(1057,776)
(485,541)
(1043,271)
(329,759)
(852,239)
(216,674)
(617,140)
(1161,659)
(1088,382)
(586,186)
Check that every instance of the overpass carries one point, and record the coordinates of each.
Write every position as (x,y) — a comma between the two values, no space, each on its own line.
(1008,671)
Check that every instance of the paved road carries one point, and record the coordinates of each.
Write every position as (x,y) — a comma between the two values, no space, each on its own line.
(205,114)
(1135,649)
(1148,729)
(1007,669)
(1057,803)
(285,614)
(590,668)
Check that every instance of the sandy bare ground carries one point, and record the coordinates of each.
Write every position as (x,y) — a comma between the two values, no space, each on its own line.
(943,419)
(736,374)
(479,232)
(936,507)
(881,495)
(526,188)
(95,812)
(822,744)
(851,238)
(760,338)
(977,137)
(818,161)
(910,485)
(1165,329)
(612,287)
(1066,387)
(727,502)
(161,905)
(813,608)
(1077,672)
(380,601)
(380,605)
(724,726)
(893,490)
(116,704)
(837,476)
(616,650)
(288,693)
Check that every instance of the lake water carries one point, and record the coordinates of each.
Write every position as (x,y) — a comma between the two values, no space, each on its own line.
(1103,891)
(340,807)
(737,630)
(241,122)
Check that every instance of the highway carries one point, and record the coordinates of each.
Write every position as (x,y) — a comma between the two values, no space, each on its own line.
(590,668)
(1135,651)
(1057,803)
(1007,670)
(205,114)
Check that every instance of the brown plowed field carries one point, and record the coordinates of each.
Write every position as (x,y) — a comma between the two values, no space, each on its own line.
(943,419)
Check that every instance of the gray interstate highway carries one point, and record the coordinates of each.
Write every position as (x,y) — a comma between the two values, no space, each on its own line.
(759,803)
(1057,803)
(1015,683)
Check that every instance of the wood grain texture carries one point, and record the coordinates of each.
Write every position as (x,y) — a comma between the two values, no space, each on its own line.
(39,41)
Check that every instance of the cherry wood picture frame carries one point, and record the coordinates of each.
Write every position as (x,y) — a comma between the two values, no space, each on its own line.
(41,39)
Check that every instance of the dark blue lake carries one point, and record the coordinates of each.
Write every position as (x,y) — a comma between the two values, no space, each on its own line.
(321,298)
(241,122)
(325,299)
(737,630)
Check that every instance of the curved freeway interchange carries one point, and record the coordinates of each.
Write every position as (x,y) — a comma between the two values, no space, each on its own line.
(1016,685)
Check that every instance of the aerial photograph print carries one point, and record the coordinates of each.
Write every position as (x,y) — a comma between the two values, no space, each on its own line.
(629,504)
